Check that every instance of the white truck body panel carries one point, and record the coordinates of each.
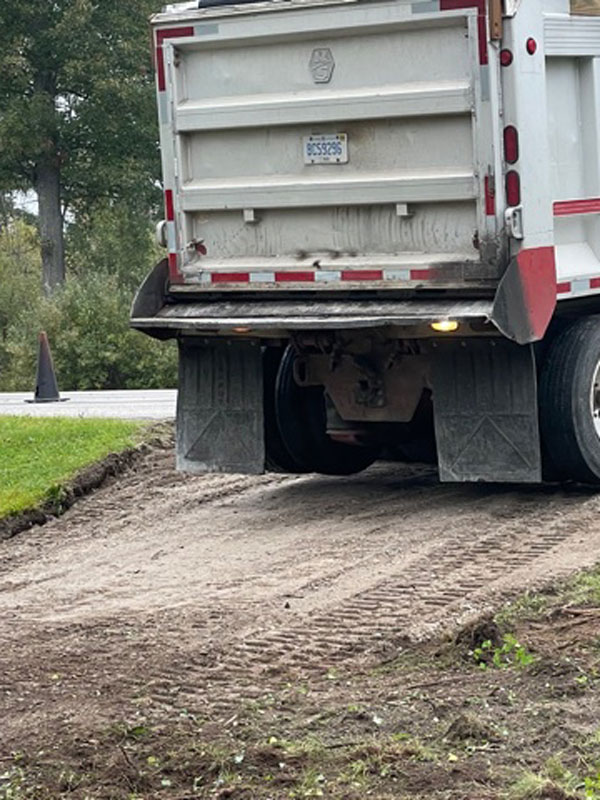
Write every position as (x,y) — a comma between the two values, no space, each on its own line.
(418,90)
(240,91)
(573,90)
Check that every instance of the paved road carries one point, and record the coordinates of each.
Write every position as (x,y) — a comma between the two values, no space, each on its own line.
(131,404)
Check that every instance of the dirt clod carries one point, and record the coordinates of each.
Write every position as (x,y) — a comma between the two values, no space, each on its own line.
(468,727)
(477,632)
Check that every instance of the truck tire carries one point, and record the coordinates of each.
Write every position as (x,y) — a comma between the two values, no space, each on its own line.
(277,456)
(569,403)
(302,422)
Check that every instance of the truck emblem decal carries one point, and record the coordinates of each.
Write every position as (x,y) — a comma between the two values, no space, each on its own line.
(321,65)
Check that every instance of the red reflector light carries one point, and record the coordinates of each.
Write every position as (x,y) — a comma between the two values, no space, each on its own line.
(490,199)
(513,188)
(531,46)
(169,206)
(506,58)
(511,144)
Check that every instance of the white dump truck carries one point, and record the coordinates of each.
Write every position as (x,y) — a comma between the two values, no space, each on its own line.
(383,233)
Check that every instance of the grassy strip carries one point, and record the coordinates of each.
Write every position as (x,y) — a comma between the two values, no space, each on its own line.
(38,457)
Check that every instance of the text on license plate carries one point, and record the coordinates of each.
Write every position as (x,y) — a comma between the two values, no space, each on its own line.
(326,148)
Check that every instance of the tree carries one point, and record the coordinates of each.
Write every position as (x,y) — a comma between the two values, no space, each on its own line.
(77,114)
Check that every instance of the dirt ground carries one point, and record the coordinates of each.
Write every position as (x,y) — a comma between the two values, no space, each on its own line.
(276,636)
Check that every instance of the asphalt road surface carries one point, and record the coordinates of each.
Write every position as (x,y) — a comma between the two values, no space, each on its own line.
(157,404)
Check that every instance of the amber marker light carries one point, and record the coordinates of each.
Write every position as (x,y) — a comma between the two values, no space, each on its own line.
(445,326)
(241,330)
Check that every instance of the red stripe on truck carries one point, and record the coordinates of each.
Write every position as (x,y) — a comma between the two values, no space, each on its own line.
(230,277)
(421,274)
(169,206)
(537,268)
(167,33)
(294,276)
(570,208)
(160,70)
(173,33)
(174,275)
(362,274)
(454,5)
(490,197)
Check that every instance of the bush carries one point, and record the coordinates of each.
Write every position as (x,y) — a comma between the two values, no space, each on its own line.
(87,321)
(20,279)
(92,344)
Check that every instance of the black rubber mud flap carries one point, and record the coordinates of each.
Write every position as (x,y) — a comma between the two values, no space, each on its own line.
(220,407)
(485,408)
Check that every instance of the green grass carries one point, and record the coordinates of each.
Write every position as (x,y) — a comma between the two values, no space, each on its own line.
(39,456)
(582,589)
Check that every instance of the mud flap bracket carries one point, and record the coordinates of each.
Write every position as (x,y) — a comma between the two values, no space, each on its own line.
(485,406)
(220,407)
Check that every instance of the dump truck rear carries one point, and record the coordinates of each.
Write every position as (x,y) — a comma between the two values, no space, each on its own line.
(382,223)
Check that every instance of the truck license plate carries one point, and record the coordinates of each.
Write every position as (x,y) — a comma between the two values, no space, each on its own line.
(326,148)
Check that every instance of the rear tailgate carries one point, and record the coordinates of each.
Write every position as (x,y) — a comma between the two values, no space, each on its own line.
(327,145)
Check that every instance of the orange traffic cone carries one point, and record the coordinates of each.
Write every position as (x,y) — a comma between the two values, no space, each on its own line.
(46,387)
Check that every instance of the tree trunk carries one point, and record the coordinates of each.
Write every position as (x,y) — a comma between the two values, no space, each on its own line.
(47,187)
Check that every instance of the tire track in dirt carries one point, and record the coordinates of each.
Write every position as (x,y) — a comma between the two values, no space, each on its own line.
(198,591)
(469,565)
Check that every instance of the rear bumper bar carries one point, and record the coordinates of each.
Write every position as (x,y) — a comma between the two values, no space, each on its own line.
(160,315)
(302,315)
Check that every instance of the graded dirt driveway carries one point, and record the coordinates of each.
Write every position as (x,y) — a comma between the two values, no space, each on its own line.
(191,593)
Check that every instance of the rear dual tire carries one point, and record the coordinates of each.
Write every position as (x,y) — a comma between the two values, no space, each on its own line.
(569,403)
(296,425)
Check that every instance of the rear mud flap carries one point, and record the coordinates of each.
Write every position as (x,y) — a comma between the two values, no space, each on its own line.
(220,407)
(485,406)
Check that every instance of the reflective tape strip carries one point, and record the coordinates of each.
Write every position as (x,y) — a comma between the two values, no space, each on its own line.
(397,275)
(173,33)
(175,275)
(171,237)
(578,287)
(169,205)
(421,274)
(479,5)
(230,277)
(362,275)
(490,197)
(572,208)
(297,277)
(406,275)
(327,276)
(161,35)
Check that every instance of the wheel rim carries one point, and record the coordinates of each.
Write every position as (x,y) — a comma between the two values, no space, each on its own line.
(595,399)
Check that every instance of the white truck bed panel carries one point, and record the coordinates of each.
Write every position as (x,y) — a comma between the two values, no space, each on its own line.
(242,88)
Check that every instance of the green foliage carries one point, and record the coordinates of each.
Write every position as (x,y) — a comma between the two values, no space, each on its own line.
(115,239)
(584,589)
(592,786)
(529,606)
(38,456)
(92,345)
(87,320)
(510,653)
(19,271)
(76,92)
